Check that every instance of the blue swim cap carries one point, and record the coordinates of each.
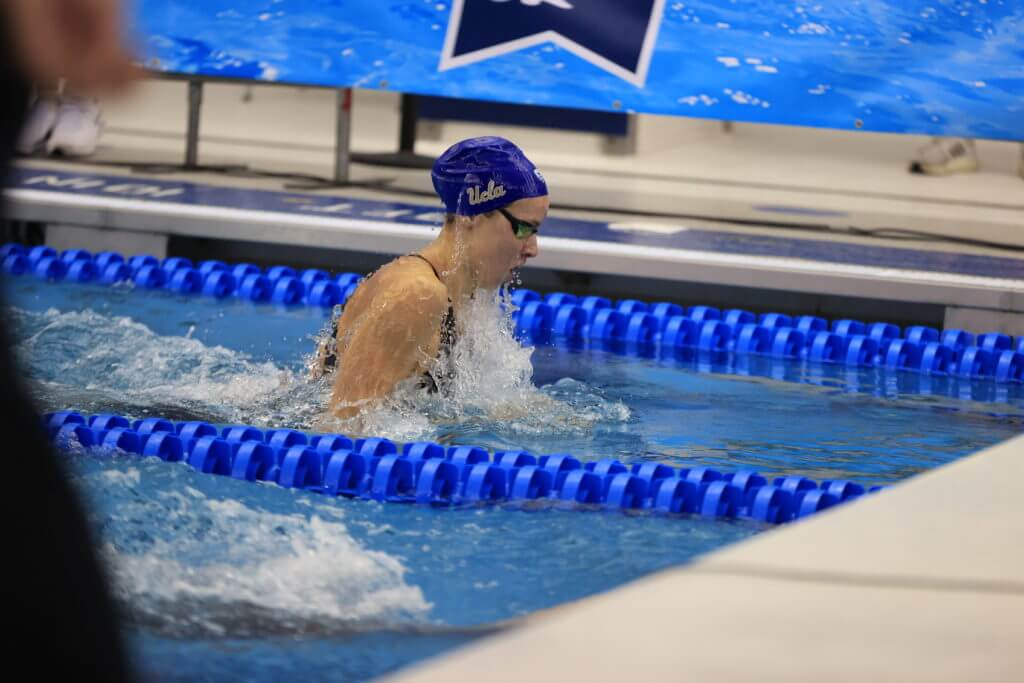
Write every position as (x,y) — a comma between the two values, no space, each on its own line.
(483,174)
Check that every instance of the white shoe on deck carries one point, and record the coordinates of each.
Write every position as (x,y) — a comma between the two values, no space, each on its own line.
(78,127)
(946,156)
(39,124)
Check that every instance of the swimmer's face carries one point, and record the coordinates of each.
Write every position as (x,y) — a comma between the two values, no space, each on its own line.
(494,247)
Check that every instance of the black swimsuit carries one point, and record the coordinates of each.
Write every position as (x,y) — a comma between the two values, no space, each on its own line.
(447,334)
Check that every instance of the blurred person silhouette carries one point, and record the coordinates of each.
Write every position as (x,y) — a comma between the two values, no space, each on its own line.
(57,601)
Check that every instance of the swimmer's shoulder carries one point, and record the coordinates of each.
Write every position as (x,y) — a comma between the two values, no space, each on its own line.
(409,284)
(424,294)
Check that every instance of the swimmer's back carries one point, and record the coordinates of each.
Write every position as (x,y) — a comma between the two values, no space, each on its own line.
(389,330)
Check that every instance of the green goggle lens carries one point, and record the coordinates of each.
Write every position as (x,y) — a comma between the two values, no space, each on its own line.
(520,228)
(524,231)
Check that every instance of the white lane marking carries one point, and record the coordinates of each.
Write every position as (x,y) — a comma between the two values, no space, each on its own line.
(642,226)
(565,245)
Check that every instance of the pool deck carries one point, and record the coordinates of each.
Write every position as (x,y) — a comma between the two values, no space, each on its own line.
(765,207)
(98,208)
(921,582)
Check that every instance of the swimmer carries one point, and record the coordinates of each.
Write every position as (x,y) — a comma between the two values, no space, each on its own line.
(404,317)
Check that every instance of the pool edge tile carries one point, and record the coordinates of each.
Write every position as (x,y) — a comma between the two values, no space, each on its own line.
(918,582)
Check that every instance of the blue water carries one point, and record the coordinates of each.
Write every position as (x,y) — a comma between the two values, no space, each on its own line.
(228,580)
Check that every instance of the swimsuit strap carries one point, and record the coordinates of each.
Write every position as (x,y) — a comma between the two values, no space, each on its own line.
(436,274)
(447,325)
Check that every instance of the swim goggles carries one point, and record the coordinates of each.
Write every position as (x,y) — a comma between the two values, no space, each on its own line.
(523,230)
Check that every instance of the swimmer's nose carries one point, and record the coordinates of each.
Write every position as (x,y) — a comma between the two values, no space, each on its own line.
(530,248)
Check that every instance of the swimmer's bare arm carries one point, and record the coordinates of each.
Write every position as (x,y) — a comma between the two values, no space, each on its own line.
(396,339)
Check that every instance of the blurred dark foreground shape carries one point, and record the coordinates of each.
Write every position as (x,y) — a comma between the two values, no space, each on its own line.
(57,601)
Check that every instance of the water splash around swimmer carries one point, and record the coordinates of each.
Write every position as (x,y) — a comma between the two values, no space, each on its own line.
(487,377)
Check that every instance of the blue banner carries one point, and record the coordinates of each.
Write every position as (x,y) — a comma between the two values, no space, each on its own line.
(942,67)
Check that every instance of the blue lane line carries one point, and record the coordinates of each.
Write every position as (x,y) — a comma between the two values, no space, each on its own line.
(427,473)
(177,192)
(567,319)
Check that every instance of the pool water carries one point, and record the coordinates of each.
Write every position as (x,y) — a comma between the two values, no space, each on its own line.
(228,580)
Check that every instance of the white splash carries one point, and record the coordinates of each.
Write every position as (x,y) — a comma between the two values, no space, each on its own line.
(692,100)
(222,553)
(123,358)
(486,379)
(269,72)
(811,28)
(740,97)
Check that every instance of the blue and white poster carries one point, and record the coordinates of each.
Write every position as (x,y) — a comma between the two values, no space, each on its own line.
(942,67)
